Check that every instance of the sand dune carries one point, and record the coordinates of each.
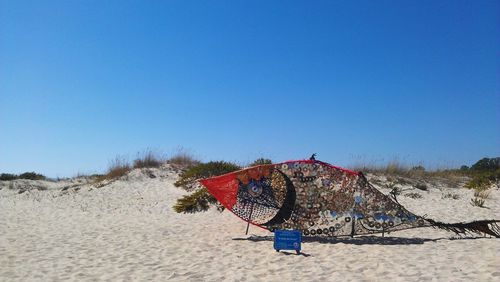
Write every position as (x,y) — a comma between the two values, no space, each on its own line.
(127,230)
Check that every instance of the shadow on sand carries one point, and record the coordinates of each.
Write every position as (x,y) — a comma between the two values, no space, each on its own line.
(362,240)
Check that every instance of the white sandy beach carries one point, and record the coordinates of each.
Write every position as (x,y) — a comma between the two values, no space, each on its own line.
(127,230)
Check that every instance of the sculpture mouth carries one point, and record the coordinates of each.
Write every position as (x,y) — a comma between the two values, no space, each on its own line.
(224,188)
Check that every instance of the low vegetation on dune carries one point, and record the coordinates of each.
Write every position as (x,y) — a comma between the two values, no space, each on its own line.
(484,174)
(399,171)
(120,166)
(481,175)
(26,175)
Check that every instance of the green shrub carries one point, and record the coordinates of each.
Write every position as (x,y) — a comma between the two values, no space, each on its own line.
(204,170)
(31,176)
(483,180)
(479,182)
(8,176)
(200,200)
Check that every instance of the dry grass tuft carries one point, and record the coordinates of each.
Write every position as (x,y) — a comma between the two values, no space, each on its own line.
(148,159)
(480,197)
(450,196)
(183,159)
(477,202)
(393,167)
(117,168)
(482,194)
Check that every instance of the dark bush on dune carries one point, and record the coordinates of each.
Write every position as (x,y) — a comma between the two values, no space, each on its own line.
(7,176)
(27,175)
(31,176)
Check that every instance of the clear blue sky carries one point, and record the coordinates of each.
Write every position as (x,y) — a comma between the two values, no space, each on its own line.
(354,81)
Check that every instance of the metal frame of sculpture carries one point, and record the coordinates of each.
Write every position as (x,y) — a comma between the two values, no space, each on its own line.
(320,200)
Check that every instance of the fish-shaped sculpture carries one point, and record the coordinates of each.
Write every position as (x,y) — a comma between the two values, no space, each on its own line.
(320,199)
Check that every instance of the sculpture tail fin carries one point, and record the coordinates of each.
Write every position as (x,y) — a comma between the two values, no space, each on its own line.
(489,227)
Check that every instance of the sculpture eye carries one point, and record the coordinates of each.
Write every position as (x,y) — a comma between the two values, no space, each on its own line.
(254,190)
